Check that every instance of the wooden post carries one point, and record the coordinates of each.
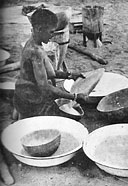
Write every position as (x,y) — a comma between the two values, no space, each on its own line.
(92,18)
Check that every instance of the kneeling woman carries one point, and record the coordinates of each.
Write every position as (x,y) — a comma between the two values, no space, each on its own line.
(35,93)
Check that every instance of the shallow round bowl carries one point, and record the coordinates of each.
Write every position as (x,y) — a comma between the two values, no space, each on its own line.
(72,135)
(74,112)
(41,142)
(108,148)
(4,55)
(7,87)
(109,82)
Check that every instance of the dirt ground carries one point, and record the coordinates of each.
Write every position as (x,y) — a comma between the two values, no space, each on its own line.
(15,29)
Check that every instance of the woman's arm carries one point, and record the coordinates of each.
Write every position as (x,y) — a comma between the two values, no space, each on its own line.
(39,69)
(68,75)
(62,75)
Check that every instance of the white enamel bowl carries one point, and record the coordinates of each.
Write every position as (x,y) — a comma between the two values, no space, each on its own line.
(4,55)
(11,138)
(109,83)
(112,155)
(7,88)
(9,85)
(67,109)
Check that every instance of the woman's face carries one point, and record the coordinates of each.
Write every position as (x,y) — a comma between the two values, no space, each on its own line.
(46,34)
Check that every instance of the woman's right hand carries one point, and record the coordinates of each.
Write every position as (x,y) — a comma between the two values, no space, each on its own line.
(81,98)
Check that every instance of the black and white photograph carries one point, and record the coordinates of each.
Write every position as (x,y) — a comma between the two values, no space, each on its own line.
(64,92)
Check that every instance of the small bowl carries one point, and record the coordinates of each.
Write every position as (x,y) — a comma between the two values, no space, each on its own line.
(7,87)
(41,143)
(76,112)
(4,55)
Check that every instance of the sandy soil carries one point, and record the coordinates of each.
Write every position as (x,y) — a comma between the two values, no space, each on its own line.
(79,171)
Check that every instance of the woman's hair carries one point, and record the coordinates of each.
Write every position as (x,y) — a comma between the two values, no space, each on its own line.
(44,18)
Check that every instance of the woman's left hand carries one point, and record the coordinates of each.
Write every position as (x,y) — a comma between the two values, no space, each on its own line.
(75,75)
